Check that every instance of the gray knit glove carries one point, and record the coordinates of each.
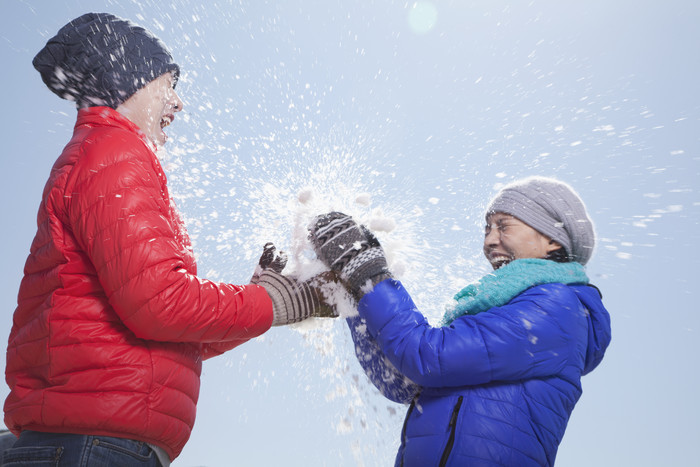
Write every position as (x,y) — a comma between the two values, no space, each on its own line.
(292,301)
(349,249)
(270,259)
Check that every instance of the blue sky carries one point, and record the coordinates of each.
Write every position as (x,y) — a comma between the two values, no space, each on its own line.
(428,107)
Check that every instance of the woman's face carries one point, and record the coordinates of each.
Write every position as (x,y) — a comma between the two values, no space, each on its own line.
(507,238)
(153,107)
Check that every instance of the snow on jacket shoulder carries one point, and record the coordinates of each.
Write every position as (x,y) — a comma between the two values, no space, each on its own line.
(112,323)
(496,388)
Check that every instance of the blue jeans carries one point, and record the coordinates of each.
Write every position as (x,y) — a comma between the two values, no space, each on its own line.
(38,449)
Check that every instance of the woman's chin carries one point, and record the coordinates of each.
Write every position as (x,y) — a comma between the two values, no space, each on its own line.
(499,262)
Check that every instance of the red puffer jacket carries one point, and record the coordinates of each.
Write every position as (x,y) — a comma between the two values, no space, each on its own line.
(112,323)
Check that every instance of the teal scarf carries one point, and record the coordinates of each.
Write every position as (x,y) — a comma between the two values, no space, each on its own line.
(509,281)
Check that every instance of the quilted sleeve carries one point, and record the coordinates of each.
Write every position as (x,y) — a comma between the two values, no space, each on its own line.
(536,335)
(120,215)
(381,372)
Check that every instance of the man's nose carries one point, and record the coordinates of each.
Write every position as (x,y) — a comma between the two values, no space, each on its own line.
(178,105)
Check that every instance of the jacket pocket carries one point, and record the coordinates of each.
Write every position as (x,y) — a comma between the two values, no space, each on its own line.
(37,456)
(453,428)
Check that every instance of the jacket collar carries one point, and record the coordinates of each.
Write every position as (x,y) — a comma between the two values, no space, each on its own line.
(107,116)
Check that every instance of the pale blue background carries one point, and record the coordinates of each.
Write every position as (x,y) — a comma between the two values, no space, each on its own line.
(429,113)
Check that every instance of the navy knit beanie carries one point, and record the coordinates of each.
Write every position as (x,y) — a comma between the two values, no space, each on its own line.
(101,59)
(552,208)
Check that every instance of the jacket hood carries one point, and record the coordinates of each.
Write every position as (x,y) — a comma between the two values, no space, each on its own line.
(599,333)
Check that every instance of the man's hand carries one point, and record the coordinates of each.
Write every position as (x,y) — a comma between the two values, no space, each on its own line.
(292,301)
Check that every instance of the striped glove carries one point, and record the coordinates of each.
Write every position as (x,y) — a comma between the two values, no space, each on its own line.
(350,250)
(292,301)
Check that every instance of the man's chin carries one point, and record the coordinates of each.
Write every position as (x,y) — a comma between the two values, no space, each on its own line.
(159,139)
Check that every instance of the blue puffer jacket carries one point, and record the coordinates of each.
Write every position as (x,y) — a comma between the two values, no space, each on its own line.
(492,389)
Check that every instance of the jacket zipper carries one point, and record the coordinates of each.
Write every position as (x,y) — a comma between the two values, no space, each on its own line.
(405,424)
(453,428)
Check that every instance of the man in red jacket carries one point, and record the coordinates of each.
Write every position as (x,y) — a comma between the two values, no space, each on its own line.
(112,322)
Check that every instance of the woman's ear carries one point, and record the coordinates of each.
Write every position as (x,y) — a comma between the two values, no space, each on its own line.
(553,246)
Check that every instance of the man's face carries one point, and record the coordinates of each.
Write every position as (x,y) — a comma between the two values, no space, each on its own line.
(153,107)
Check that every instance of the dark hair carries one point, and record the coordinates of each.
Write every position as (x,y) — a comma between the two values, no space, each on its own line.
(559,255)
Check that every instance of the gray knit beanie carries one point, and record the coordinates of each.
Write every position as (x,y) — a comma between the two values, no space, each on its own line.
(552,208)
(101,59)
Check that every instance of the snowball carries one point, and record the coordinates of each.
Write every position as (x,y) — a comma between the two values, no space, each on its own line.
(382,224)
(363,199)
(305,195)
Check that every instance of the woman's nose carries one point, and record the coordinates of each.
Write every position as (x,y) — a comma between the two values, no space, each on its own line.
(492,237)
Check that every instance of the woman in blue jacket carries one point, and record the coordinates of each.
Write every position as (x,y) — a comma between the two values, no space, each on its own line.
(496,383)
